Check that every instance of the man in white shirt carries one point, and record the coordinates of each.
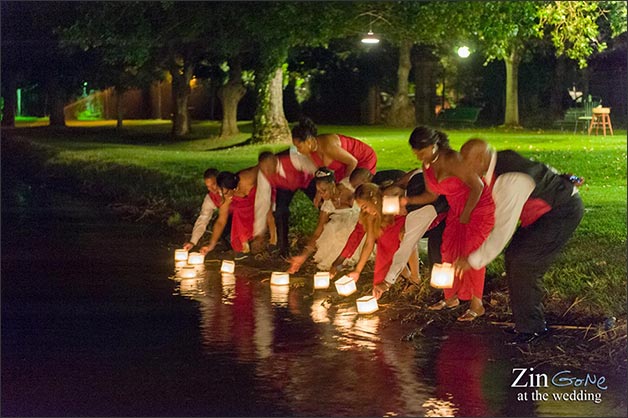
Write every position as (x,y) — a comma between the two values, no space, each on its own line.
(211,203)
(549,208)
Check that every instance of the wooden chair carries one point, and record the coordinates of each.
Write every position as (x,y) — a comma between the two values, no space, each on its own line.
(601,116)
(587,112)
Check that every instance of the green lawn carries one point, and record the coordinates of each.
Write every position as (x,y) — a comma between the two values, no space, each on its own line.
(141,164)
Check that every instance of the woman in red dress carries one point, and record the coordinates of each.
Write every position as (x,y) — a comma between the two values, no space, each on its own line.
(470,218)
(339,153)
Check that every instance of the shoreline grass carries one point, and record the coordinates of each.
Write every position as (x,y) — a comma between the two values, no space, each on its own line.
(141,165)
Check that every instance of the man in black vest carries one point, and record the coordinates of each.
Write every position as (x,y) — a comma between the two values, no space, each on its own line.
(549,208)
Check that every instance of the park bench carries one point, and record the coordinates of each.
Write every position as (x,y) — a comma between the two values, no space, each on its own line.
(574,115)
(459,116)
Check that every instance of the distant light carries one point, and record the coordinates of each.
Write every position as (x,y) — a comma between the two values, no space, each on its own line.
(370,38)
(464,52)
(84,83)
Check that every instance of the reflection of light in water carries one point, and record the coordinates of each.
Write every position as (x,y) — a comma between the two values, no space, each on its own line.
(439,408)
(264,327)
(356,331)
(365,332)
(191,287)
(228,288)
(319,310)
(279,295)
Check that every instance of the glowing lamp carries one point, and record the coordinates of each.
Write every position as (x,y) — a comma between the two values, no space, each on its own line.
(228,266)
(370,38)
(442,276)
(345,286)
(228,279)
(196,258)
(181,255)
(321,280)
(187,272)
(280,278)
(367,305)
(464,52)
(390,205)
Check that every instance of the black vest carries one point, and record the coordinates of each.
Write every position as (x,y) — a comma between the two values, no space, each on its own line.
(550,186)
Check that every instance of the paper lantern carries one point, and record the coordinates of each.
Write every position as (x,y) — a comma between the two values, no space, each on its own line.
(442,276)
(196,258)
(228,279)
(321,280)
(367,305)
(187,272)
(280,278)
(228,266)
(345,286)
(181,255)
(390,205)
(279,294)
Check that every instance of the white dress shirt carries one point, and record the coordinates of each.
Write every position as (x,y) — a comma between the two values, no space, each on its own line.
(207,210)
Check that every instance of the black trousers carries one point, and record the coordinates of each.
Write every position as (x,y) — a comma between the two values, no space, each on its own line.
(531,252)
(282,214)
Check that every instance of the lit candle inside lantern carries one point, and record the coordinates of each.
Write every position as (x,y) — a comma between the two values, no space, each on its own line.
(279,295)
(367,305)
(390,205)
(280,278)
(196,258)
(179,264)
(442,276)
(228,266)
(187,272)
(228,279)
(345,286)
(321,280)
(181,255)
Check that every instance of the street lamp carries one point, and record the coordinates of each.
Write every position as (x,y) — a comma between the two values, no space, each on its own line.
(464,52)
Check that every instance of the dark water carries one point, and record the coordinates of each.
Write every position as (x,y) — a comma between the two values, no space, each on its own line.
(92,324)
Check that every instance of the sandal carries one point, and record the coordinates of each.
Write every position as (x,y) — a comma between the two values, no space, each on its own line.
(469,316)
(441,304)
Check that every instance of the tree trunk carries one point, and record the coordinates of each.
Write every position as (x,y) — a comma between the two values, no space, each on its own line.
(119,107)
(270,124)
(10,102)
(511,116)
(401,113)
(181,77)
(558,88)
(156,100)
(230,95)
(425,64)
(57,103)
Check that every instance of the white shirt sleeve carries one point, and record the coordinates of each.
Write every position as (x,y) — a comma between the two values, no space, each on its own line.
(510,193)
(416,224)
(263,198)
(301,162)
(207,210)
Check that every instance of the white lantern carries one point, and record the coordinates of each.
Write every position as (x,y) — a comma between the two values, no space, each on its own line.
(180,264)
(228,266)
(442,276)
(390,205)
(345,286)
(187,272)
(181,255)
(367,305)
(321,280)
(279,295)
(196,258)
(280,278)
(228,279)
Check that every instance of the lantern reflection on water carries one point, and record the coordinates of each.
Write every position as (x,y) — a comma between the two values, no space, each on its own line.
(367,305)
(390,205)
(442,276)
(188,286)
(228,279)
(279,294)
(321,280)
(228,266)
(319,310)
(179,264)
(345,286)
(181,255)
(280,278)
(187,272)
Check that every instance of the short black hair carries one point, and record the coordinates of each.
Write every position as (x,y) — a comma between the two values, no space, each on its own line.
(325,174)
(424,136)
(227,180)
(209,173)
(306,128)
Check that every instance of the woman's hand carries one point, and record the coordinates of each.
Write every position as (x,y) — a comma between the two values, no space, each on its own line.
(380,289)
(355,275)
(296,262)
(207,248)
(188,246)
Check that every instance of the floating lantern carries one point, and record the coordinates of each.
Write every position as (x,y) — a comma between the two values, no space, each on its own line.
(228,266)
(367,305)
(390,205)
(321,280)
(187,272)
(181,255)
(345,286)
(279,294)
(228,279)
(179,264)
(442,276)
(280,278)
(196,258)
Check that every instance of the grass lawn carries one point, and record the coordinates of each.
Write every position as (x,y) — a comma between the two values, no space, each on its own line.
(141,165)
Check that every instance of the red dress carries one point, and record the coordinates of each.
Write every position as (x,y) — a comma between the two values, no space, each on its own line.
(242,211)
(387,245)
(460,240)
(362,152)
